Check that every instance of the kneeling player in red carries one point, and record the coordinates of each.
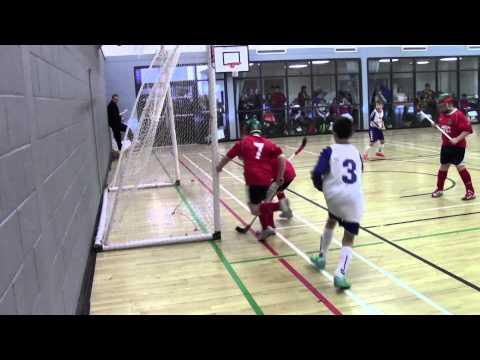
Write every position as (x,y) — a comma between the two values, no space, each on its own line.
(289,176)
(257,154)
(458,127)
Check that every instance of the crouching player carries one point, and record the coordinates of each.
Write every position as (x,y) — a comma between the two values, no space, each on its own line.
(457,126)
(338,174)
(289,176)
(258,153)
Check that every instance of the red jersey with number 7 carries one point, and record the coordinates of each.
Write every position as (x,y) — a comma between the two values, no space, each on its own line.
(454,124)
(257,153)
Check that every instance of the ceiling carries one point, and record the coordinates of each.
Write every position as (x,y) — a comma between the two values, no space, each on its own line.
(119,50)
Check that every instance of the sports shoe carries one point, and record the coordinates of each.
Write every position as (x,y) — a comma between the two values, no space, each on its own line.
(286,214)
(318,261)
(264,234)
(470,195)
(365,156)
(380,154)
(341,283)
(437,193)
(286,211)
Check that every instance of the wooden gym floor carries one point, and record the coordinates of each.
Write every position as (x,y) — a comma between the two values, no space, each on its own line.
(414,254)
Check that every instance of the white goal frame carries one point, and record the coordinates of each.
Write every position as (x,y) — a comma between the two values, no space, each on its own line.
(105,223)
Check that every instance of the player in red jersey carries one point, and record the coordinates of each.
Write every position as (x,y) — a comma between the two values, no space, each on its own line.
(258,153)
(289,176)
(458,127)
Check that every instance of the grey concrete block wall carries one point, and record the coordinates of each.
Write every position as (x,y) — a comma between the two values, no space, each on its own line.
(54,158)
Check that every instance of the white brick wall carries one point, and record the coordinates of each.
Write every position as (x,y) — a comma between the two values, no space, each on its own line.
(50,186)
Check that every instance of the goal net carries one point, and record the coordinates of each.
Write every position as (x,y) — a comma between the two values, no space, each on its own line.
(163,189)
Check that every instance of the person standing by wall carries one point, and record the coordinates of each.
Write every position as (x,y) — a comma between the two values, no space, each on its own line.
(115,121)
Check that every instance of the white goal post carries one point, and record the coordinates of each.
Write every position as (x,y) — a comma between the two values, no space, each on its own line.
(151,199)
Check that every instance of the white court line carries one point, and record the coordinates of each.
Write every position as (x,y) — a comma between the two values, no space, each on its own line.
(296,226)
(368,308)
(360,257)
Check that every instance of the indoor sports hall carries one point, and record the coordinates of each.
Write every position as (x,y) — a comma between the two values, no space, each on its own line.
(133,218)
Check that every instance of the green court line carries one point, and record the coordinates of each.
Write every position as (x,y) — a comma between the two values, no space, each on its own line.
(248,296)
(360,245)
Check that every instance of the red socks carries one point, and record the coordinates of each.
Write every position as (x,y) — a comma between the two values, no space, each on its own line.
(464,174)
(266,214)
(442,175)
(467,180)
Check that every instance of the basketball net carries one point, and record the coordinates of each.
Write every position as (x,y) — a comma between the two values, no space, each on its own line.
(233,67)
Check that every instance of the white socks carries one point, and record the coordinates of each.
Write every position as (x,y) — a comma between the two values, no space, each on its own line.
(367,148)
(380,148)
(345,260)
(325,241)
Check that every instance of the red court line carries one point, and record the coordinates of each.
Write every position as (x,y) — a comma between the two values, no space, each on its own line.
(322,298)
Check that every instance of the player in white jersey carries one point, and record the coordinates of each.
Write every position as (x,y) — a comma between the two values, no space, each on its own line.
(338,174)
(375,130)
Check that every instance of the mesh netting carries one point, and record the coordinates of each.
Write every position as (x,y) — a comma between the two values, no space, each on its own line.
(151,195)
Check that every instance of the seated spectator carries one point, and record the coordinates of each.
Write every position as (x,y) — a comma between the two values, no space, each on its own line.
(464,105)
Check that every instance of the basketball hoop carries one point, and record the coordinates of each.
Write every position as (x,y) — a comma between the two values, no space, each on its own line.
(233,68)
(233,65)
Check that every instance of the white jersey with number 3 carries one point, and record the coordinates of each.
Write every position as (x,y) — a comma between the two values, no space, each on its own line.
(342,185)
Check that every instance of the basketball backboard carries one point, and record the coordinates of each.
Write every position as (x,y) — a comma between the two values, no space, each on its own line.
(231,58)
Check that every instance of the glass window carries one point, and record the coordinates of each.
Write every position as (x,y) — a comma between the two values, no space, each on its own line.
(380,65)
(202,87)
(447,63)
(347,66)
(248,99)
(273,69)
(350,85)
(402,87)
(447,82)
(295,85)
(298,68)
(379,83)
(253,71)
(325,84)
(469,63)
(202,73)
(423,64)
(425,79)
(469,83)
(402,65)
(182,73)
(323,67)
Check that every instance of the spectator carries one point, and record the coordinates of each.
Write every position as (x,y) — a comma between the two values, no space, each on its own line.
(464,104)
(256,102)
(115,121)
(303,97)
(320,111)
(278,108)
(243,112)
(400,99)
(427,100)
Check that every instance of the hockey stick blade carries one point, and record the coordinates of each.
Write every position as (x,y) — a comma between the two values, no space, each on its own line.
(242,230)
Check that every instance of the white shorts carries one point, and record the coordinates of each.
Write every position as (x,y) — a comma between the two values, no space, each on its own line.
(347,208)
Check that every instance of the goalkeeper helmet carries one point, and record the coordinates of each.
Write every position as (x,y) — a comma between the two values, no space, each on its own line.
(254,126)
